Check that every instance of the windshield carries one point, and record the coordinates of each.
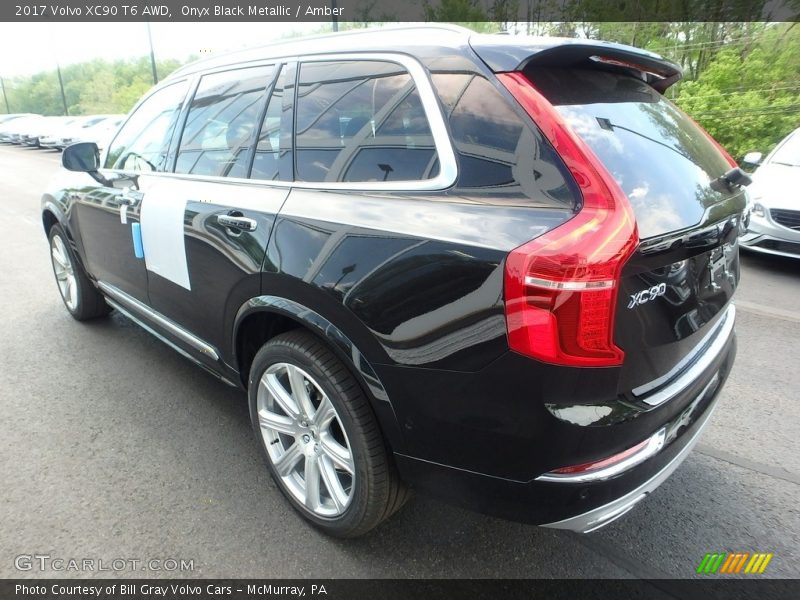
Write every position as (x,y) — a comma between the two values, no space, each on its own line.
(788,153)
(662,161)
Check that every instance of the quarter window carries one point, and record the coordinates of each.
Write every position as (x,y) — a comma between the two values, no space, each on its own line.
(361,121)
(143,142)
(220,127)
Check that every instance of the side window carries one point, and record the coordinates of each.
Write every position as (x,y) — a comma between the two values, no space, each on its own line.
(143,142)
(220,125)
(273,150)
(361,121)
(495,148)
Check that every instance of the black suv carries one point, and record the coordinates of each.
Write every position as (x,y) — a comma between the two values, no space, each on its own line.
(496,269)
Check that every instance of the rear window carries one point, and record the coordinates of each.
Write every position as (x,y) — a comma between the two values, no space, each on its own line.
(660,158)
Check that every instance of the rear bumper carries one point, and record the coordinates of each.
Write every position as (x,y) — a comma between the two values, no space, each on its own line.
(493,460)
(608,513)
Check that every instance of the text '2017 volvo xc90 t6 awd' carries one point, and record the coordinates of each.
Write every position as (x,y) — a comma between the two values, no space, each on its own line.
(495,269)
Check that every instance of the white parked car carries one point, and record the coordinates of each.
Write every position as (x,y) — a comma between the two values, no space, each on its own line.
(53,137)
(101,132)
(773,219)
(74,132)
(13,131)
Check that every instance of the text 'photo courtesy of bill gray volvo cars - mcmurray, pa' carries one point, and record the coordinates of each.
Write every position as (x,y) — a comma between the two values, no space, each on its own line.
(494,269)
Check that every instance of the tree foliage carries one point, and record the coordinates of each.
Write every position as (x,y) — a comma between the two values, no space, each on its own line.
(741,79)
(95,87)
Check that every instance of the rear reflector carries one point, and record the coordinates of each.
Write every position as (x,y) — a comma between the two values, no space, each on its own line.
(608,467)
(561,288)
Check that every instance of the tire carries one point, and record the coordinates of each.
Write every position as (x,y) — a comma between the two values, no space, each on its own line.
(80,297)
(299,432)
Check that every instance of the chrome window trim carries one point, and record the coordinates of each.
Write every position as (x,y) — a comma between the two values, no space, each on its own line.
(707,352)
(132,304)
(448,166)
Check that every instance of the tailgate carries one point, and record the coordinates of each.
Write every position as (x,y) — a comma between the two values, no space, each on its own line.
(676,287)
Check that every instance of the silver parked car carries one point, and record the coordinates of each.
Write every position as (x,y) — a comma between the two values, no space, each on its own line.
(773,221)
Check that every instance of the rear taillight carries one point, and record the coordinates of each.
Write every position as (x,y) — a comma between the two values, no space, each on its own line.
(561,288)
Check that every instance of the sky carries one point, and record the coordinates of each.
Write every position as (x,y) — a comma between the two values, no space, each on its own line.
(27,48)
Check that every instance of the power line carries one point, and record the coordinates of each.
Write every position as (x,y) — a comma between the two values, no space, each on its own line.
(678,45)
(743,91)
(749,112)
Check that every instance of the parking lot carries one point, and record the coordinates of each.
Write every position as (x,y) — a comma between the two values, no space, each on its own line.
(114,446)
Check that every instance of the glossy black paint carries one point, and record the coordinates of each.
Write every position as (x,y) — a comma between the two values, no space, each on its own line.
(407,288)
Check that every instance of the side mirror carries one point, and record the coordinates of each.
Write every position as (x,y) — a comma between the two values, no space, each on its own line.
(753,158)
(83,157)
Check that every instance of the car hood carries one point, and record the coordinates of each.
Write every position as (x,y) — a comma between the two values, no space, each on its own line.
(775,186)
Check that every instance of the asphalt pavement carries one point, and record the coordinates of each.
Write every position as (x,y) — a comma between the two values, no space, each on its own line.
(113,447)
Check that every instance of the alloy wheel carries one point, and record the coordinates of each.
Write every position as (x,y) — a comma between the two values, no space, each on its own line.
(65,273)
(305,440)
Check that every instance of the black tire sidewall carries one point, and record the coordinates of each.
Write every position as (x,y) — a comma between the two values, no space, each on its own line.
(90,302)
(275,352)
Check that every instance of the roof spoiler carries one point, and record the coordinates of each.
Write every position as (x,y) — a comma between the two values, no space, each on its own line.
(512,53)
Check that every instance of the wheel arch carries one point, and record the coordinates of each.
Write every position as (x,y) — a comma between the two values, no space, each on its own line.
(51,214)
(268,315)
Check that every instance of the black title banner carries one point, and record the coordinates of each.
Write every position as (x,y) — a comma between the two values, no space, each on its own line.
(392,10)
(392,589)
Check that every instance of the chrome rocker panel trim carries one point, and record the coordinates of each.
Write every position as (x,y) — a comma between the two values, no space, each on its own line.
(132,304)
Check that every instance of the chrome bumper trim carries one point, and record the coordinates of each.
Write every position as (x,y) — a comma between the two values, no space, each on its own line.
(708,352)
(603,515)
(654,444)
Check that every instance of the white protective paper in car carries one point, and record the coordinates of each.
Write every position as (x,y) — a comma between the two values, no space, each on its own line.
(162,235)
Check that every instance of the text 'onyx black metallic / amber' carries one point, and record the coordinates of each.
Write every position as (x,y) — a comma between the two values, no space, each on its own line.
(496,269)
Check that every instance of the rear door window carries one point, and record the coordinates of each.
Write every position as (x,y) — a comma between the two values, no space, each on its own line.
(660,158)
(361,121)
(221,124)
(274,146)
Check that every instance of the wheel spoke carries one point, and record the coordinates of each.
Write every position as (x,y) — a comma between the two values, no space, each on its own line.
(324,414)
(61,274)
(312,501)
(281,396)
(279,423)
(70,291)
(288,461)
(332,482)
(339,455)
(299,391)
(58,257)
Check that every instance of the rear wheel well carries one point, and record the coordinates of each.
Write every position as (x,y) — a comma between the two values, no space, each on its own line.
(255,331)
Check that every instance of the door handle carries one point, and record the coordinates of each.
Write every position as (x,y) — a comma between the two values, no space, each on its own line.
(237,222)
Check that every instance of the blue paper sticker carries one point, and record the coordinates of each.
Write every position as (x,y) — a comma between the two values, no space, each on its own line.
(136,232)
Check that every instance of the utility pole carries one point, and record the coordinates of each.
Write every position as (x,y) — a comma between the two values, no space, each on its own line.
(3,85)
(152,55)
(61,85)
(334,18)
